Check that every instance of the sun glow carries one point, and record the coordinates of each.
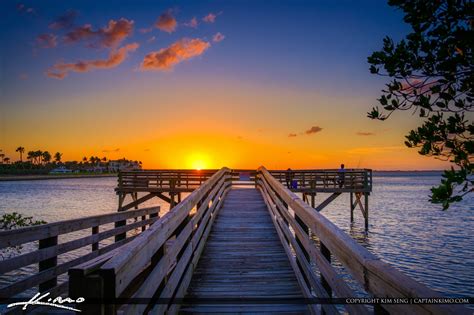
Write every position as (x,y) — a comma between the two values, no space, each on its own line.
(198,161)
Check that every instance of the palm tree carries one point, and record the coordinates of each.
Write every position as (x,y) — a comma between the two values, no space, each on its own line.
(21,150)
(6,160)
(57,157)
(31,156)
(104,159)
(2,156)
(46,156)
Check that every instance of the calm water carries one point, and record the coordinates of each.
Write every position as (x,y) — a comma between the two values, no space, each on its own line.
(430,245)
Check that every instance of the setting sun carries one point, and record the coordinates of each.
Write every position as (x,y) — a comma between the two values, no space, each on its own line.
(198,161)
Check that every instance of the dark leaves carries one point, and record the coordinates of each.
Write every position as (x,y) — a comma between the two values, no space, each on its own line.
(433,74)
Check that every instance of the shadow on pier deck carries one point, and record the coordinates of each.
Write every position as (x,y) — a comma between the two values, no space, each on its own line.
(222,249)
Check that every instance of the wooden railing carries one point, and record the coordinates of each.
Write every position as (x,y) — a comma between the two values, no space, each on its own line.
(48,247)
(158,263)
(350,180)
(168,179)
(298,224)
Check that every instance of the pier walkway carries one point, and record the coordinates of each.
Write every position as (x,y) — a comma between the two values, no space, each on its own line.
(225,248)
(243,258)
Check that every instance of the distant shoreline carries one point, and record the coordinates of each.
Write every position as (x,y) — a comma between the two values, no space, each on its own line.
(7,178)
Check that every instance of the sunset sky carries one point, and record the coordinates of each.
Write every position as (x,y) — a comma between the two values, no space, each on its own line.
(196,84)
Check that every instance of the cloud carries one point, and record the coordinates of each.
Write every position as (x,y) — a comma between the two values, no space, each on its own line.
(146,30)
(193,23)
(109,36)
(362,133)
(151,39)
(218,37)
(109,151)
(314,129)
(166,22)
(167,58)
(116,57)
(210,18)
(65,21)
(22,8)
(310,131)
(46,40)
(23,76)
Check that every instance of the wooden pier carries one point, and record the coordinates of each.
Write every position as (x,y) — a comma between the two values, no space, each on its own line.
(230,246)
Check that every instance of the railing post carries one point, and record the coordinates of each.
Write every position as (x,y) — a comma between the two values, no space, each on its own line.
(95,230)
(120,180)
(326,254)
(48,263)
(117,224)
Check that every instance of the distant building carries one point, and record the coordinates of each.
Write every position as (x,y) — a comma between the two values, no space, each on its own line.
(123,165)
(60,170)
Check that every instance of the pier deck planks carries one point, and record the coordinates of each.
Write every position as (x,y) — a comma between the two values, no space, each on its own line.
(243,258)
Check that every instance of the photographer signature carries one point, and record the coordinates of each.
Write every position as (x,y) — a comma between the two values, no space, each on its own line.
(57,302)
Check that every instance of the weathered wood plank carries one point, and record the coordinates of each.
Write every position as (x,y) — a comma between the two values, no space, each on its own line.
(241,255)
(376,276)
(34,233)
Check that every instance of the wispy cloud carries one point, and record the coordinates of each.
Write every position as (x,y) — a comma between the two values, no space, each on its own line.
(116,57)
(193,23)
(111,150)
(145,30)
(363,133)
(109,36)
(210,18)
(167,58)
(166,22)
(218,37)
(22,8)
(314,129)
(46,40)
(310,131)
(65,21)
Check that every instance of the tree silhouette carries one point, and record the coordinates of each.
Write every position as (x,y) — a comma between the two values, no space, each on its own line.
(432,75)
(46,156)
(20,150)
(57,157)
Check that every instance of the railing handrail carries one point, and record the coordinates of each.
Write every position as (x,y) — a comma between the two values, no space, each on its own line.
(49,247)
(376,277)
(134,248)
(161,260)
(34,233)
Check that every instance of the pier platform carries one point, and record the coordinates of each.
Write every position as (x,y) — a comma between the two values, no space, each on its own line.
(241,242)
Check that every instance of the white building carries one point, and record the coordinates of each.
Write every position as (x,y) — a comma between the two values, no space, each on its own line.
(60,170)
(123,165)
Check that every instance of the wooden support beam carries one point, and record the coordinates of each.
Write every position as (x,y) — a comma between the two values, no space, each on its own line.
(327,255)
(366,197)
(95,230)
(48,263)
(136,201)
(328,200)
(352,206)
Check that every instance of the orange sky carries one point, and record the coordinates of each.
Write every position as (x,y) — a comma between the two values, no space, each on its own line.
(202,85)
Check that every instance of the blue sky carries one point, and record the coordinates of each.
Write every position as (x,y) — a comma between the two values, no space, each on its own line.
(277,68)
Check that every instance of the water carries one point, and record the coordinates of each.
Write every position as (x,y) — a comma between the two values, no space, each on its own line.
(434,247)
